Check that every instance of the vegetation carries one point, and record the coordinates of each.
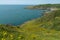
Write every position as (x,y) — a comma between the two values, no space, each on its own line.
(48,5)
(44,6)
(45,28)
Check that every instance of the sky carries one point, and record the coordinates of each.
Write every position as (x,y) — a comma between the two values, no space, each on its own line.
(29,2)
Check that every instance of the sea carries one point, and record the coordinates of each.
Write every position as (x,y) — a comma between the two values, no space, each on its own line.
(17,14)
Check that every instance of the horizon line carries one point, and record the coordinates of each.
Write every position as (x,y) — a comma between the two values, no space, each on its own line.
(29,4)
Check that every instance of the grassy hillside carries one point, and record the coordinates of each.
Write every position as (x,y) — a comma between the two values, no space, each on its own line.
(46,27)
(48,5)
(44,6)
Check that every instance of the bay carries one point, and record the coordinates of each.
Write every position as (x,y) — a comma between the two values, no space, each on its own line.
(17,15)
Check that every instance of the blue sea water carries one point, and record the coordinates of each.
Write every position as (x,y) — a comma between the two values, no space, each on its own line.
(16,14)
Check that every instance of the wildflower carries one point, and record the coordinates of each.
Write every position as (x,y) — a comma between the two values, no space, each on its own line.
(4,33)
(20,37)
(11,36)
